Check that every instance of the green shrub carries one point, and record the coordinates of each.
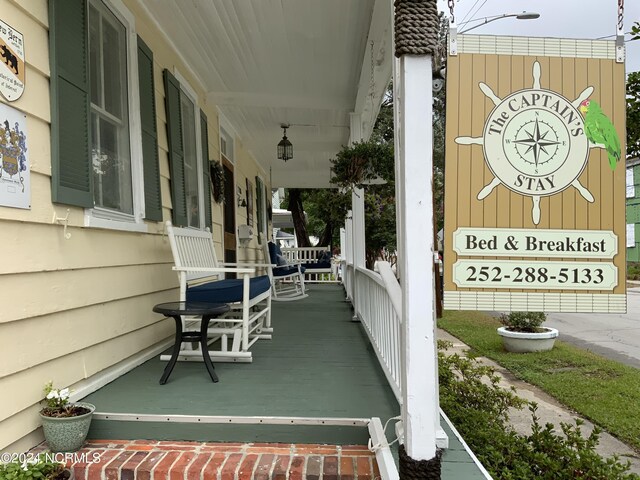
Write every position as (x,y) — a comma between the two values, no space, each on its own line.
(528,322)
(41,469)
(633,271)
(478,406)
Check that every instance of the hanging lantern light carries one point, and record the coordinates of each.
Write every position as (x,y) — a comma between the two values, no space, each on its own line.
(285,149)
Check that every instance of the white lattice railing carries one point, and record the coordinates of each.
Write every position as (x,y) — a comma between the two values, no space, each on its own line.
(377,303)
(310,255)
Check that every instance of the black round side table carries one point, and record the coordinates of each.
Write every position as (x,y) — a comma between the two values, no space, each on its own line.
(205,310)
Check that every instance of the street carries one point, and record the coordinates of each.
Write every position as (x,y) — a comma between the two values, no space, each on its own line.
(615,336)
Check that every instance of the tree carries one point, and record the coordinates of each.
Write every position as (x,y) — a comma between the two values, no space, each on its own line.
(635,31)
(295,206)
(326,210)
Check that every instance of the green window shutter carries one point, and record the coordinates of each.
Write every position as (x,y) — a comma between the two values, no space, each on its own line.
(150,163)
(206,173)
(260,207)
(71,175)
(176,149)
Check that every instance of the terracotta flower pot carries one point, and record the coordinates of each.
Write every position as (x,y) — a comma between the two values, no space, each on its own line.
(67,434)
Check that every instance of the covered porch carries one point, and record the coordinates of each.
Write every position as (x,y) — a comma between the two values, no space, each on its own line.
(318,381)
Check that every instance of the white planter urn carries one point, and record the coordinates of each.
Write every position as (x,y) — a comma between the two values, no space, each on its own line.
(523,342)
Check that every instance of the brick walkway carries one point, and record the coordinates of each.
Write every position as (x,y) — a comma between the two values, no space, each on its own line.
(150,460)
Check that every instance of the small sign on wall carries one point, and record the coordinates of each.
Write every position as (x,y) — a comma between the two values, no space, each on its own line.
(15,182)
(12,74)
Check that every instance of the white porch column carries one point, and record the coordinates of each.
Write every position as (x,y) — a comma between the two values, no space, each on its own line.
(357,199)
(414,139)
(357,216)
(357,210)
(348,255)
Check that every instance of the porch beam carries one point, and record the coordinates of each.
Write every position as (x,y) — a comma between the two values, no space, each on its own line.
(413,98)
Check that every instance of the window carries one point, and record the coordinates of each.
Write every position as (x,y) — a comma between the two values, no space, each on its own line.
(103,125)
(191,174)
(110,150)
(226,145)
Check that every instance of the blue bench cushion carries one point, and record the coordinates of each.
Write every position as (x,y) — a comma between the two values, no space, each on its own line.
(288,270)
(227,291)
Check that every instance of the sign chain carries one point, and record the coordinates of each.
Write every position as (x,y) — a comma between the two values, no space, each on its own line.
(620,16)
(451,4)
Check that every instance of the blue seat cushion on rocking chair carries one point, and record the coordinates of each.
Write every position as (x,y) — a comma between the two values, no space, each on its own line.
(317,265)
(227,291)
(286,270)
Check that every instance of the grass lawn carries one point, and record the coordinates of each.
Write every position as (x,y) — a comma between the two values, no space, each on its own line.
(604,391)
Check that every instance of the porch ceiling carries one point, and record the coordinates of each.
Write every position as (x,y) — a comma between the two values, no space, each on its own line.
(302,62)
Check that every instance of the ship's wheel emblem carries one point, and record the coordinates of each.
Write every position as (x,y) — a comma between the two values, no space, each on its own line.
(534,143)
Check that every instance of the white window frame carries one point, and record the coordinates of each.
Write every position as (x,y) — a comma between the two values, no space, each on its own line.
(230,140)
(226,132)
(187,89)
(102,217)
(630,182)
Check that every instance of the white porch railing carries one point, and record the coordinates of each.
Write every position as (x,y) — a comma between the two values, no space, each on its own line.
(347,279)
(308,255)
(376,308)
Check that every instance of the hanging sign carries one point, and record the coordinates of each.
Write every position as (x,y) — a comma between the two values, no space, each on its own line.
(535,177)
(15,181)
(12,72)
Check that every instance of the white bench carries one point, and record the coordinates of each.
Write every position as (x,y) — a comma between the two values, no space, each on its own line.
(309,256)
(201,278)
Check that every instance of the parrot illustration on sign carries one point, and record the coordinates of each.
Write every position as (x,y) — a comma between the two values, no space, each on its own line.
(600,130)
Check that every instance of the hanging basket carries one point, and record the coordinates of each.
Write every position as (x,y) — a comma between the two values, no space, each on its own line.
(217,181)
(362,163)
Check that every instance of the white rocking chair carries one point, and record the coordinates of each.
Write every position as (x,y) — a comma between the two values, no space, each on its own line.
(201,279)
(287,279)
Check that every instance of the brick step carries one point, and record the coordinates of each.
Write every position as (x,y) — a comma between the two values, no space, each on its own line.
(153,460)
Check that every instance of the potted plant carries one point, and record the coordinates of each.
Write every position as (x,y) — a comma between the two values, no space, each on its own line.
(41,467)
(65,424)
(522,332)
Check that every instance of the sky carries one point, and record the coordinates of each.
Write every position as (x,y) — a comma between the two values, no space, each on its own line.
(587,19)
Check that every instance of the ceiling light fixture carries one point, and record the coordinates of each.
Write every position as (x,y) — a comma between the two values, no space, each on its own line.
(285,149)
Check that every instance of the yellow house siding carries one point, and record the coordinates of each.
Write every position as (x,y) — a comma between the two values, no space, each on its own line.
(75,307)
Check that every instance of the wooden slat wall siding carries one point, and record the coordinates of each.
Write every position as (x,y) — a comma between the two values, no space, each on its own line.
(466,171)
(491,204)
(478,165)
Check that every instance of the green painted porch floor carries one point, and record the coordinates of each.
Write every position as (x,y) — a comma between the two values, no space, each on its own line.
(318,364)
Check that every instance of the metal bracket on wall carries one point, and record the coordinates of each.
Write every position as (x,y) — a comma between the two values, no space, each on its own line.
(62,221)
(453,40)
(620,49)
